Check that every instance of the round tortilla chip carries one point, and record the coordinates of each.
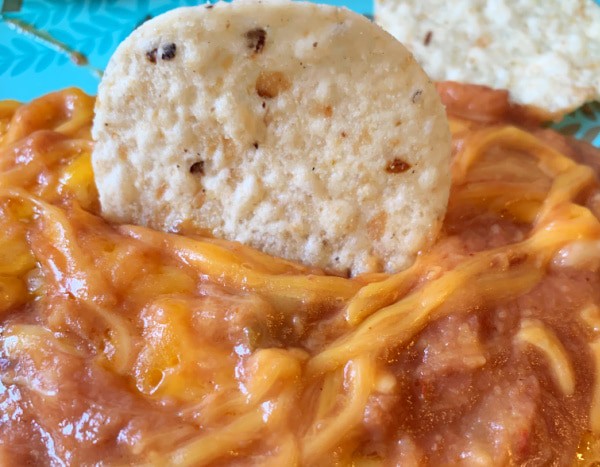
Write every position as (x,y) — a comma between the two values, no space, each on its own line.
(303,130)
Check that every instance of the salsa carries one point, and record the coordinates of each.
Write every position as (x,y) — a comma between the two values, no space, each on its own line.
(120,344)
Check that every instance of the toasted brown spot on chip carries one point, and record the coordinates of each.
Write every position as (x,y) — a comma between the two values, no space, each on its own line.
(376,225)
(396,166)
(428,37)
(151,55)
(328,111)
(197,168)
(416,97)
(161,190)
(169,51)
(270,84)
(365,137)
(483,41)
(255,39)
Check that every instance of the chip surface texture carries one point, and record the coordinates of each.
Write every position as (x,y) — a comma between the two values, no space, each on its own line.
(547,54)
(303,130)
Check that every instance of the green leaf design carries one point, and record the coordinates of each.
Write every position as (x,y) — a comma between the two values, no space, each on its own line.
(62,35)
(10,5)
(587,111)
(570,129)
(591,134)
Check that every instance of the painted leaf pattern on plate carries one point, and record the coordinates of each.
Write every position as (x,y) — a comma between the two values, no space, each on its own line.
(91,27)
(584,123)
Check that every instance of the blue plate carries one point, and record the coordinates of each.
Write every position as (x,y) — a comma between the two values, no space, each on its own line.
(46,45)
